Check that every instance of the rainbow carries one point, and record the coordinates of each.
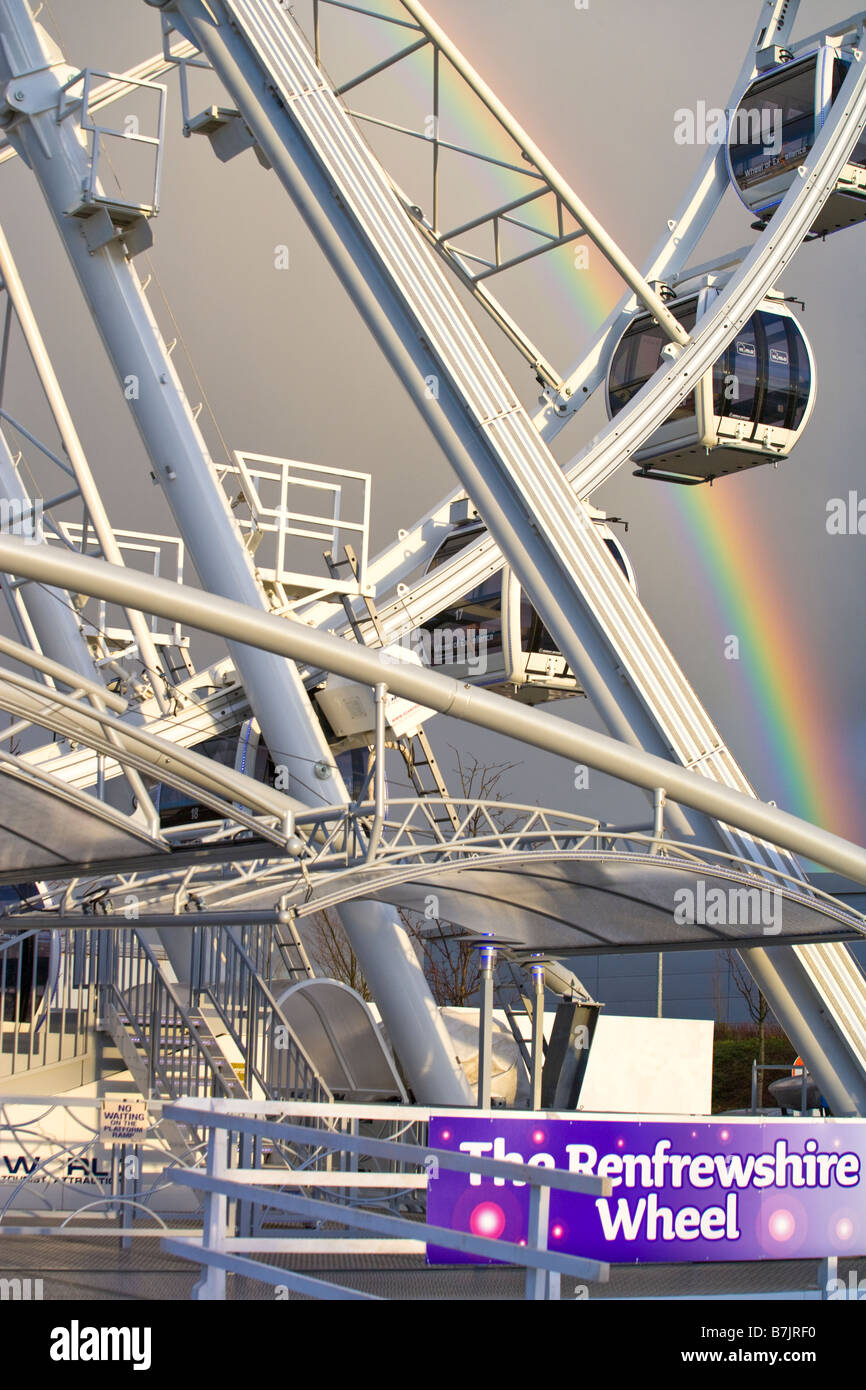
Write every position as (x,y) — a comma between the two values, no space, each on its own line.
(796,709)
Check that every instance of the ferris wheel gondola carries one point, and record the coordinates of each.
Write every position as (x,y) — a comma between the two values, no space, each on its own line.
(776,123)
(751,408)
(495,637)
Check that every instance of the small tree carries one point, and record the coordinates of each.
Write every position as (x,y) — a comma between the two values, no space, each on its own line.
(332,954)
(758,1008)
(451,963)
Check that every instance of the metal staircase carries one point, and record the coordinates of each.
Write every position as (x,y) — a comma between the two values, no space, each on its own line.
(173,1037)
(231,980)
(170,1037)
(167,1045)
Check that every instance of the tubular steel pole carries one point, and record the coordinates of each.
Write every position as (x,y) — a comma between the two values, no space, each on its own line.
(537,1034)
(77,458)
(485,1028)
(49,610)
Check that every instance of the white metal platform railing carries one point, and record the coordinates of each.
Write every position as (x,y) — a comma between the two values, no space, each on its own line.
(106,626)
(47,999)
(280,502)
(225,1185)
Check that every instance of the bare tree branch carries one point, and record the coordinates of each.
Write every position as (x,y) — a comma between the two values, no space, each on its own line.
(331,953)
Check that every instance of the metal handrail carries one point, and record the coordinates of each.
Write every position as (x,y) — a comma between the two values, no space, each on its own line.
(273,1056)
(159,1023)
(217,1251)
(54,1026)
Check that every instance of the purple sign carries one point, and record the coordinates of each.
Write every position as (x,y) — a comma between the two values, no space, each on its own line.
(685,1190)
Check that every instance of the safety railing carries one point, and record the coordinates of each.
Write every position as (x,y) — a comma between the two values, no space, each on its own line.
(131,1195)
(226,1186)
(47,999)
(276,951)
(225,975)
(138,1000)
(61,1179)
(77,96)
(757,1082)
(106,624)
(295,508)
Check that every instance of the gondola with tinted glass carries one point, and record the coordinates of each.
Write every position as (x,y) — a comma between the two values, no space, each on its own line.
(775,125)
(495,637)
(751,408)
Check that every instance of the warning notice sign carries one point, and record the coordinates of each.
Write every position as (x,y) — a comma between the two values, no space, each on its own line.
(123,1120)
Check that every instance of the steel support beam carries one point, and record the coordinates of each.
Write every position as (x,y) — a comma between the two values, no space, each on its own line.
(48,609)
(75,453)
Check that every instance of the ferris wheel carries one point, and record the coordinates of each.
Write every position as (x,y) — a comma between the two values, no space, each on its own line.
(258,785)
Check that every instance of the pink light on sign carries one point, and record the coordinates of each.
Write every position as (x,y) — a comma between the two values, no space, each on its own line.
(781,1225)
(488,1219)
(844,1228)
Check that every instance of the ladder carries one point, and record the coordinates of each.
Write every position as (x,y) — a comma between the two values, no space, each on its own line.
(427,779)
(293,952)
